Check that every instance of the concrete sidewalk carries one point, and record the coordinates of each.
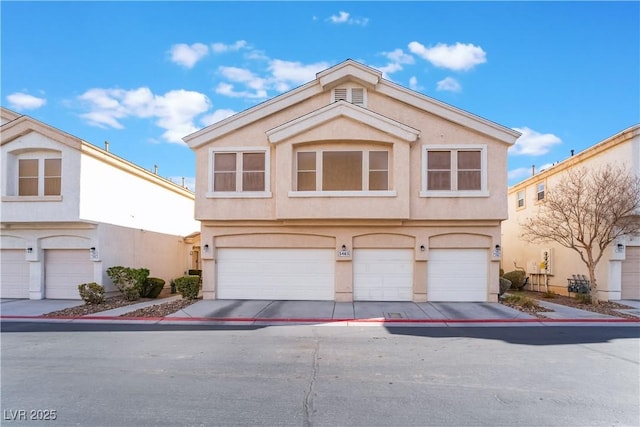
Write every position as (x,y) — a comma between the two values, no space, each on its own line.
(259,312)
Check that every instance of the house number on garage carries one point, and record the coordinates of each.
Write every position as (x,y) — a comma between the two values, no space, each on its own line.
(344,253)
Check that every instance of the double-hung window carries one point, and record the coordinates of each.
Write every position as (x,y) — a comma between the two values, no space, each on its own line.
(540,191)
(520,199)
(338,172)
(453,172)
(39,177)
(239,172)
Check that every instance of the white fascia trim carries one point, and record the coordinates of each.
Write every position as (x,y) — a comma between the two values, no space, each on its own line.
(342,109)
(251,115)
(391,193)
(448,112)
(349,69)
(239,195)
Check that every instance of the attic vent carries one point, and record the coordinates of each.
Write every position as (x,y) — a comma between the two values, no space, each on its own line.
(355,95)
(340,94)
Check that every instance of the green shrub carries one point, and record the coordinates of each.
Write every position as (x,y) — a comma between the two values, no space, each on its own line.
(154,286)
(91,293)
(505,284)
(521,300)
(516,277)
(583,298)
(188,286)
(129,281)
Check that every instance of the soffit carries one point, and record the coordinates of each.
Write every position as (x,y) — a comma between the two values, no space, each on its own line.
(338,110)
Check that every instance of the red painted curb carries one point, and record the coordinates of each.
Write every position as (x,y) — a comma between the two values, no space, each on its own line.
(319,320)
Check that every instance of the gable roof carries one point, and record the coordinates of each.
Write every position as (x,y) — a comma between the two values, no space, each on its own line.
(342,109)
(24,125)
(368,77)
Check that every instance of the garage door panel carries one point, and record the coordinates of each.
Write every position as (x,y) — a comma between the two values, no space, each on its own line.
(631,273)
(65,269)
(281,274)
(457,275)
(383,274)
(14,274)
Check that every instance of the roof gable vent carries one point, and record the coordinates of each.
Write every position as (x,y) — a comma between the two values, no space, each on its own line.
(354,95)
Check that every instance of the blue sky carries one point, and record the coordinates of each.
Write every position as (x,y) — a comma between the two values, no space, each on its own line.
(142,75)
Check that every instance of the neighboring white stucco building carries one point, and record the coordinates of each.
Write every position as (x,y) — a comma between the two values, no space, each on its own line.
(70,210)
(618,273)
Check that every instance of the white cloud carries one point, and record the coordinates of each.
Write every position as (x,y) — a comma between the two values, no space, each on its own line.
(23,101)
(174,111)
(345,18)
(397,59)
(533,143)
(222,48)
(413,83)
(188,56)
(295,73)
(458,57)
(449,84)
(216,116)
(227,89)
(519,174)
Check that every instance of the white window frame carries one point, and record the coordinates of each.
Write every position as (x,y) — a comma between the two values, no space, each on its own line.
(365,175)
(239,193)
(484,190)
(522,199)
(542,185)
(14,181)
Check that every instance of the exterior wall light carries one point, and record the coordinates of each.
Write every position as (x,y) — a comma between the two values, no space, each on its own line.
(206,248)
(620,248)
(497,251)
(422,248)
(29,250)
(344,247)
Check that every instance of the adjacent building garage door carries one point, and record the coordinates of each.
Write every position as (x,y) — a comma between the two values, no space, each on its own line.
(457,275)
(14,274)
(631,273)
(278,274)
(383,274)
(64,270)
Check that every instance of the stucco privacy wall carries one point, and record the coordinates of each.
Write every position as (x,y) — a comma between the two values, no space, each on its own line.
(142,204)
(404,217)
(622,149)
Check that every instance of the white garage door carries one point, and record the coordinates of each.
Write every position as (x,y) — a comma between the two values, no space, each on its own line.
(457,275)
(631,273)
(64,270)
(277,274)
(14,274)
(383,274)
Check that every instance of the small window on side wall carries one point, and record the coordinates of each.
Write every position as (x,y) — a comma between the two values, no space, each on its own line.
(40,177)
(540,191)
(239,173)
(520,199)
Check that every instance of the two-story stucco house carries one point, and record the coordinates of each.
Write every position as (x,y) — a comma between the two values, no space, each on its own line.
(70,210)
(618,273)
(351,187)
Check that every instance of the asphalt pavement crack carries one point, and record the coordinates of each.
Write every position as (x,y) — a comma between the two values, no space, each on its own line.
(307,403)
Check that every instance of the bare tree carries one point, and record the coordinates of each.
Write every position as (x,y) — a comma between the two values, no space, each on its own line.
(586,211)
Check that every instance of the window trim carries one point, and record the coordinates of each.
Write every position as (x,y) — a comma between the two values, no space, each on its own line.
(14,183)
(348,193)
(544,191)
(266,193)
(523,199)
(484,190)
